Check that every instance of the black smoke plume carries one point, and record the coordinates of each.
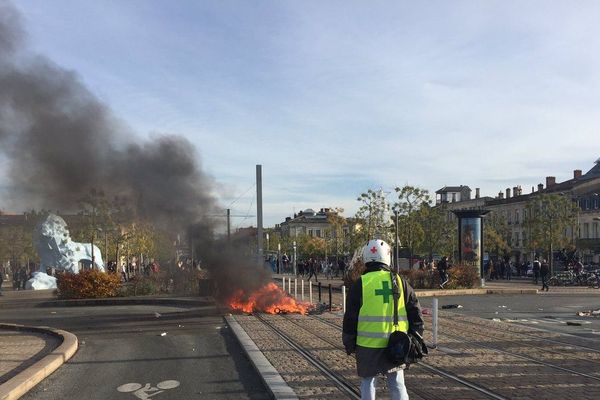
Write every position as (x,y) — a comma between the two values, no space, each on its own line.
(60,142)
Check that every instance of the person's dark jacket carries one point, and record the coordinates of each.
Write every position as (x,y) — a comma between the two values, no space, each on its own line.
(545,269)
(369,361)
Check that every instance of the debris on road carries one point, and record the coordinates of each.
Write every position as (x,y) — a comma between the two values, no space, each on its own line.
(157,315)
(496,320)
(163,334)
(426,311)
(448,306)
(573,323)
(589,313)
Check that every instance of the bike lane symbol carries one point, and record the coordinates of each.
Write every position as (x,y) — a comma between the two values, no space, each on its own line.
(147,391)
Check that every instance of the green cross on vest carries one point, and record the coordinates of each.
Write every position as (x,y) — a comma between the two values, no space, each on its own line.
(386,292)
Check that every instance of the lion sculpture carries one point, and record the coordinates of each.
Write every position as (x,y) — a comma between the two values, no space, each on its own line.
(58,251)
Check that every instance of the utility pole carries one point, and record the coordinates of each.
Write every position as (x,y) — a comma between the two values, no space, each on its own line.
(259,214)
(397,243)
(228,225)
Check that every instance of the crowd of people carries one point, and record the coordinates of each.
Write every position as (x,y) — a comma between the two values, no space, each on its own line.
(309,267)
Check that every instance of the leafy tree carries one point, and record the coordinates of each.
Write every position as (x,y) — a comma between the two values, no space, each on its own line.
(548,217)
(439,234)
(337,222)
(411,200)
(496,233)
(373,216)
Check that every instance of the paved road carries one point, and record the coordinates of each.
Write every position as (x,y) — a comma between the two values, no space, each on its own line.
(122,350)
(549,311)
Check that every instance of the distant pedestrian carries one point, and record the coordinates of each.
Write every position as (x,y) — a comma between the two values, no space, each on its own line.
(545,272)
(443,271)
(536,270)
(508,271)
(312,269)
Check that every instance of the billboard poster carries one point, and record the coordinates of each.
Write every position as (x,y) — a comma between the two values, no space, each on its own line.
(470,241)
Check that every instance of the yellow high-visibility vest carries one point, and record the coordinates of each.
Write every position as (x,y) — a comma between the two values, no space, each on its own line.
(376,315)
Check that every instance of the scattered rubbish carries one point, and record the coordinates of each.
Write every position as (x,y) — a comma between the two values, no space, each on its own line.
(573,323)
(501,306)
(540,309)
(496,320)
(180,326)
(496,312)
(319,309)
(52,312)
(549,317)
(82,342)
(163,334)
(426,311)
(589,313)
(157,315)
(194,349)
(448,306)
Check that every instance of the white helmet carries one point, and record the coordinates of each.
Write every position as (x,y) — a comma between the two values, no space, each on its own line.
(377,251)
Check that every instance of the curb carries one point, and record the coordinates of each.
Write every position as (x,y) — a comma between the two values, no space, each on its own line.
(277,386)
(467,292)
(20,384)
(201,302)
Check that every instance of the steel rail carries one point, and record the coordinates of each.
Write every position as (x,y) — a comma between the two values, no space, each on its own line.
(438,371)
(338,380)
(537,338)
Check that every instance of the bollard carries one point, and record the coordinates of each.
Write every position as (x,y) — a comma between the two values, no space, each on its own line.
(283,283)
(434,319)
(319,292)
(295,288)
(310,292)
(330,308)
(344,298)
(302,290)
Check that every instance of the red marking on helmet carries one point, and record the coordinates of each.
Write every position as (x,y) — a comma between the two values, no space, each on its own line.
(373,249)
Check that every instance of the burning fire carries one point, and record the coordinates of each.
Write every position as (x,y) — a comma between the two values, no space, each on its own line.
(269,299)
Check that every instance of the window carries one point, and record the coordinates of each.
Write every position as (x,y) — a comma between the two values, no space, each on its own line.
(595,231)
(318,233)
(586,231)
(517,220)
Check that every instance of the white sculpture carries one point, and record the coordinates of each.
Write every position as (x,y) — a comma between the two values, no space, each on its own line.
(57,250)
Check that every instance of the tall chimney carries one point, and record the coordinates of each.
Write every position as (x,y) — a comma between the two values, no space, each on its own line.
(540,187)
(577,174)
(476,193)
(500,195)
(508,193)
(515,191)
(550,181)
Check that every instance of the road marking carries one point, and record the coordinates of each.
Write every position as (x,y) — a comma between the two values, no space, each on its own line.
(147,391)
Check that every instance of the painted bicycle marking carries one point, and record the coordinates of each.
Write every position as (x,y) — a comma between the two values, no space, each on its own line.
(147,391)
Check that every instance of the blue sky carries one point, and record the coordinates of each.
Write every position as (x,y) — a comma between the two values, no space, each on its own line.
(337,97)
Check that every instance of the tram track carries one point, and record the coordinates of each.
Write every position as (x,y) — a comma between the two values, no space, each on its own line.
(435,370)
(346,387)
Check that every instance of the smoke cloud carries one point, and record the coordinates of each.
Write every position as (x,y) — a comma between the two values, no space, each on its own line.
(61,141)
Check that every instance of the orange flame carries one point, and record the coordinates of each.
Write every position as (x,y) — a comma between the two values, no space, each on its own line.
(269,299)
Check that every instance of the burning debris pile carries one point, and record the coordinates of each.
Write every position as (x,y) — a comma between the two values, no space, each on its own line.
(269,299)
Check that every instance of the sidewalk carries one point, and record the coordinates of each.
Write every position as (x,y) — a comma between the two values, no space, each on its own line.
(19,350)
(514,286)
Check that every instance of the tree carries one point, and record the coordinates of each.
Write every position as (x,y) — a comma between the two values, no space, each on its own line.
(496,233)
(410,229)
(373,216)
(439,234)
(548,218)
(337,222)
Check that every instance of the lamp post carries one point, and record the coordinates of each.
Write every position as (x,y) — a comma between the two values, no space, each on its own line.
(267,237)
(278,258)
(295,270)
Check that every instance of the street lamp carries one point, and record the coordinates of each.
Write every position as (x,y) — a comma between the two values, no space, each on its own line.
(295,271)
(278,258)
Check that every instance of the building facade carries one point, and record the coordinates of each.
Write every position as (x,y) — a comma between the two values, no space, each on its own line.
(512,204)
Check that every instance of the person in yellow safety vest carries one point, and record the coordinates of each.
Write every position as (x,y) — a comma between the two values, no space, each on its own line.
(368,321)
